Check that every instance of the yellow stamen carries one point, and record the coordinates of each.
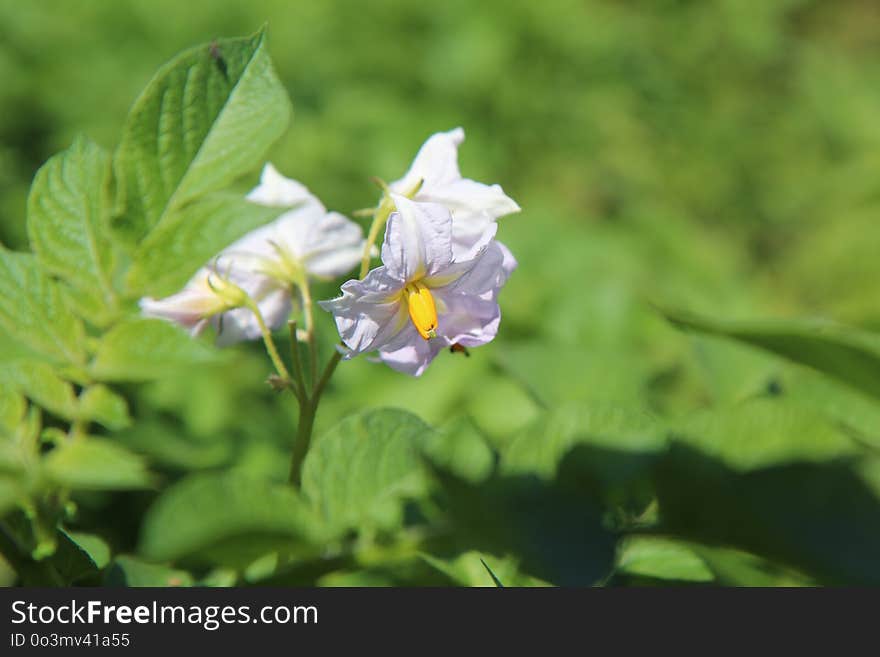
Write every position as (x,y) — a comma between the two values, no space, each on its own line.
(422,311)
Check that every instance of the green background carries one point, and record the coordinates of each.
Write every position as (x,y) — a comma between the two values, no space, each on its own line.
(718,156)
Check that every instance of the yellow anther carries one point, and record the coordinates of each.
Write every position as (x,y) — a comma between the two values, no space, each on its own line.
(422,311)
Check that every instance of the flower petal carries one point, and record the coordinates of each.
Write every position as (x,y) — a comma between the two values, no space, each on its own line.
(241,324)
(467,320)
(276,190)
(410,353)
(189,306)
(484,274)
(369,313)
(436,163)
(333,246)
(418,239)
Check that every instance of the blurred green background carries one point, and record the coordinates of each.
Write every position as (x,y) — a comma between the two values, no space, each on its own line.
(722,156)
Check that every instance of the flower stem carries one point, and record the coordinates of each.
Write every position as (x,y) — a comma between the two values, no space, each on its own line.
(271,349)
(306,295)
(308,409)
(303,440)
(299,384)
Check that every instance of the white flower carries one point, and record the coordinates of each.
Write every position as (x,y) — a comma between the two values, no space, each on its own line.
(421,299)
(211,298)
(306,241)
(474,206)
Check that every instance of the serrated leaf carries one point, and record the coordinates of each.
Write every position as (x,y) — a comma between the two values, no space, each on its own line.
(843,353)
(207,117)
(33,311)
(144,349)
(91,463)
(229,518)
(129,571)
(39,382)
(100,404)
(357,473)
(189,238)
(68,213)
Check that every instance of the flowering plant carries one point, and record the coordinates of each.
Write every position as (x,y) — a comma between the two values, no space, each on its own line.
(207,377)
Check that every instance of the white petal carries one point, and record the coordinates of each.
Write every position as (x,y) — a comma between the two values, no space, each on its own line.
(410,353)
(484,274)
(187,307)
(467,197)
(333,247)
(418,239)
(467,320)
(369,313)
(436,163)
(276,190)
(508,264)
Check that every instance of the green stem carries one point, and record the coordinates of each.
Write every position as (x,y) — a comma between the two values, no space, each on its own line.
(271,349)
(299,384)
(308,409)
(303,440)
(306,295)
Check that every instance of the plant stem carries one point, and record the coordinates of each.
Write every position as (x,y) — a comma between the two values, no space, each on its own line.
(299,384)
(306,295)
(308,409)
(271,349)
(303,440)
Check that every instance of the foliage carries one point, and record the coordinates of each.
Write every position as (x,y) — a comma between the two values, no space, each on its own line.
(661,406)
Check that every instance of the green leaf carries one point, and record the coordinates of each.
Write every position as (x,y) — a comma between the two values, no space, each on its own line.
(144,349)
(189,238)
(559,373)
(68,213)
(11,490)
(207,117)
(357,473)
(12,410)
(33,311)
(843,353)
(662,558)
(94,546)
(39,382)
(541,446)
(96,464)
(129,571)
(229,518)
(765,432)
(737,568)
(459,447)
(100,404)
(79,555)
